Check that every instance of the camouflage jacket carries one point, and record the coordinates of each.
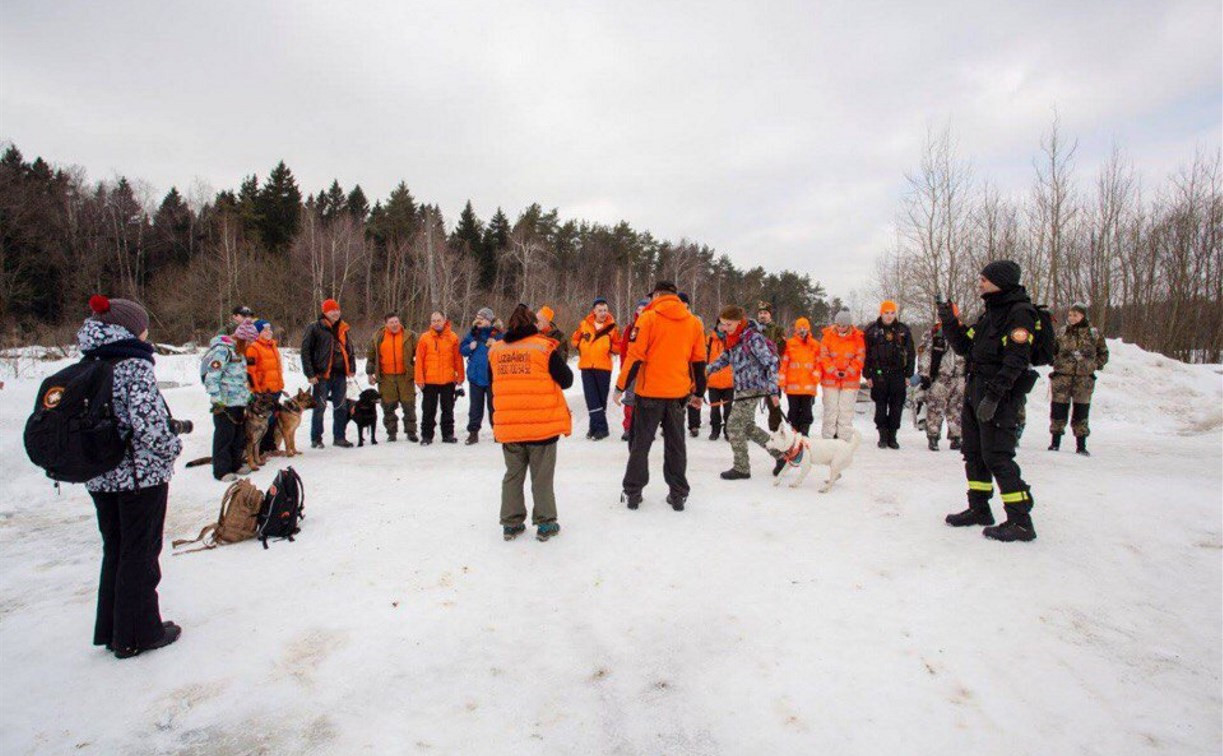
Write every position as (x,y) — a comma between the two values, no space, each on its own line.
(949,367)
(1080,350)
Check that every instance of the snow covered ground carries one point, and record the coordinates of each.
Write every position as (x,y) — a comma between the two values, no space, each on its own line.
(760,620)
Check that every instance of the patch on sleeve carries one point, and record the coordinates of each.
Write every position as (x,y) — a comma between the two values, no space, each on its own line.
(214,365)
(1020,335)
(632,335)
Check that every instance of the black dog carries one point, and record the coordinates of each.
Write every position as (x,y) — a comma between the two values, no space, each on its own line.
(364,412)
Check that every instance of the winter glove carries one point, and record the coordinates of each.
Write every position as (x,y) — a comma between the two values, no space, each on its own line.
(924,383)
(987,408)
(459,391)
(946,312)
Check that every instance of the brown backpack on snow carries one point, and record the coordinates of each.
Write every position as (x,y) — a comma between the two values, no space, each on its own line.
(238,520)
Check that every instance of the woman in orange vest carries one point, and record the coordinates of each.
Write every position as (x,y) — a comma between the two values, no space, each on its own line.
(529,379)
(266,371)
(799,375)
(439,370)
(597,340)
(721,384)
(842,353)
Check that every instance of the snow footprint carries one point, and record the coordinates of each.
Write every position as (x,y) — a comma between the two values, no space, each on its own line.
(304,656)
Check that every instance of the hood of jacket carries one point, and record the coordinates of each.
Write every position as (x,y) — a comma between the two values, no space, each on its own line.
(221,340)
(94,334)
(611,320)
(518,334)
(670,307)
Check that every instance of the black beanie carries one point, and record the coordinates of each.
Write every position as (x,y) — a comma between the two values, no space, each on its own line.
(1002,273)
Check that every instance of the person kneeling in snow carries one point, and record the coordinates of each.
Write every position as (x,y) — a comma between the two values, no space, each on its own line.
(529,378)
(754,364)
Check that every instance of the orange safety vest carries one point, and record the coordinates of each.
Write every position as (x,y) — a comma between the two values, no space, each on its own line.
(527,404)
(724,378)
(800,372)
(391,351)
(842,353)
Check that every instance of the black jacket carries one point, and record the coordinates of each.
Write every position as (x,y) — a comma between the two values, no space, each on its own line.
(317,346)
(990,345)
(889,350)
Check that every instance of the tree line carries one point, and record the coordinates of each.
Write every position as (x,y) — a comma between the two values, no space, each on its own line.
(1148,261)
(191,259)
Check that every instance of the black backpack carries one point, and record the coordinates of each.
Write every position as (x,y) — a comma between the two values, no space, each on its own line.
(1044,341)
(73,433)
(283,505)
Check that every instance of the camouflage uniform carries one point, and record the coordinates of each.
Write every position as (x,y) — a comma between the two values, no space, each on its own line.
(945,396)
(1080,352)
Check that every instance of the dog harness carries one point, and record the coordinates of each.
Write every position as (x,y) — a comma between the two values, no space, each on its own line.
(794,457)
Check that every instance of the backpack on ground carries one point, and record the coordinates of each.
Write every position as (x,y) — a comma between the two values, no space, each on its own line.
(73,433)
(238,520)
(1044,341)
(283,505)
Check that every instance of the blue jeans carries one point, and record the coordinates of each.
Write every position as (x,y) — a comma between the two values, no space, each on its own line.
(478,396)
(595,385)
(330,389)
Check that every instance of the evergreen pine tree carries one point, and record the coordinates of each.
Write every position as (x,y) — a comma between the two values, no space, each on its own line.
(280,209)
(356,204)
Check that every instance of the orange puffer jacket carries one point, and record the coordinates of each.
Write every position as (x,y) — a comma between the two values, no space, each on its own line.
(842,354)
(438,361)
(799,373)
(666,340)
(724,378)
(527,402)
(264,367)
(596,343)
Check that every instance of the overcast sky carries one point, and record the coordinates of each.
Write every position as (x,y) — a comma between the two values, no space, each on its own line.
(776,132)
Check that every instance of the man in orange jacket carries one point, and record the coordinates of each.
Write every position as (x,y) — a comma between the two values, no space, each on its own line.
(439,369)
(596,340)
(666,360)
(799,375)
(529,378)
(391,366)
(842,354)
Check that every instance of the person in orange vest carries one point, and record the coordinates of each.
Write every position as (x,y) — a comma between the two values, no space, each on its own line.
(391,366)
(665,372)
(842,354)
(628,409)
(799,375)
(327,361)
(529,378)
(266,371)
(721,384)
(596,340)
(439,370)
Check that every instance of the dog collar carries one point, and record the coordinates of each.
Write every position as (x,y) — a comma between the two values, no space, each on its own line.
(794,457)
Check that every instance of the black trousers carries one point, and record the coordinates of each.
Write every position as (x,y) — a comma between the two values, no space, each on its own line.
(435,394)
(800,417)
(132,523)
(694,418)
(989,453)
(648,414)
(888,393)
(228,441)
(718,414)
(595,386)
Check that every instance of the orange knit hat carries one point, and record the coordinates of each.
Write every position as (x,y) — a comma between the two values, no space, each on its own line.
(802,323)
(546,313)
(330,304)
(887,306)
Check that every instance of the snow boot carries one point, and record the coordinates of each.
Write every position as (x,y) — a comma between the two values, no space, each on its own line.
(955,443)
(676,501)
(1018,527)
(413,439)
(932,442)
(883,439)
(733,474)
(510,532)
(472,438)
(426,441)
(972,516)
(343,443)
(317,444)
(624,436)
(713,434)
(892,443)
(599,436)
(449,440)
(390,437)
(632,500)
(694,432)
(1081,447)
(547,530)
(1056,443)
(171,634)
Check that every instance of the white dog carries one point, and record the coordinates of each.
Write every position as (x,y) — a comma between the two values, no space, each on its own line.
(802,452)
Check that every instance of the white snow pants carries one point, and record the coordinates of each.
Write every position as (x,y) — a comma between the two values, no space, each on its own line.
(838,412)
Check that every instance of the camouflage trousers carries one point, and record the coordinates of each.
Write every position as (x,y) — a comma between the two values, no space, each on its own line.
(741,427)
(944,401)
(1068,389)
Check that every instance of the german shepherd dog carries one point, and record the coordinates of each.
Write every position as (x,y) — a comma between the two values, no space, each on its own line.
(257,414)
(364,412)
(288,419)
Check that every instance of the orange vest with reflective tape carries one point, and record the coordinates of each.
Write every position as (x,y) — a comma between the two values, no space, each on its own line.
(527,404)
(391,351)
(800,371)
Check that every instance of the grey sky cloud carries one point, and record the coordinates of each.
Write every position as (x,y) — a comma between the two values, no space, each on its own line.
(777,132)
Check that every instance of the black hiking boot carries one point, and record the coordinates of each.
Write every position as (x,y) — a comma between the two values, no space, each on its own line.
(694,432)
(676,501)
(171,634)
(713,434)
(883,439)
(510,532)
(1081,446)
(412,438)
(317,444)
(599,436)
(955,443)
(1011,530)
(970,517)
(390,437)
(343,443)
(633,500)
(624,436)
(932,443)
(426,441)
(449,440)
(892,443)
(1056,443)
(733,474)
(472,438)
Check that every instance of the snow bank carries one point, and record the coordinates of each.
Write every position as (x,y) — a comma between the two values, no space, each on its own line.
(761,620)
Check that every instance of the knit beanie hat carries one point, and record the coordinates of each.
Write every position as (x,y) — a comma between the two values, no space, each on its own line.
(843,318)
(121,312)
(246,332)
(683,297)
(643,302)
(1080,308)
(486,313)
(329,305)
(546,313)
(261,324)
(887,306)
(598,301)
(802,323)
(1002,273)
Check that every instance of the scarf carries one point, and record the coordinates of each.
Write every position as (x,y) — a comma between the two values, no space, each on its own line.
(733,337)
(123,349)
